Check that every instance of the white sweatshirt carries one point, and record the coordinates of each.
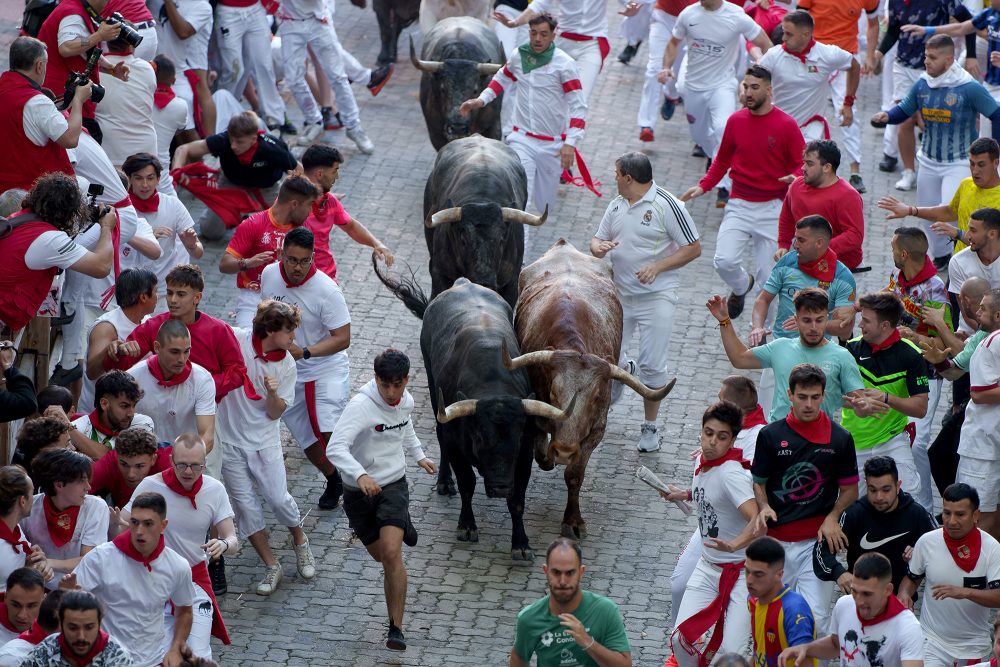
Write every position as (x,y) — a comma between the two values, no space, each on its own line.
(370,437)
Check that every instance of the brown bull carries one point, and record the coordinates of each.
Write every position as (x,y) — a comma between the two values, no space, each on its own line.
(569,324)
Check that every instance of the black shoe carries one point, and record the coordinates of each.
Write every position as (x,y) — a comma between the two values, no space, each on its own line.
(410,534)
(625,57)
(888,163)
(217,575)
(380,77)
(334,489)
(284,128)
(63,377)
(394,639)
(735,302)
(698,151)
(721,199)
(667,108)
(941,263)
(858,184)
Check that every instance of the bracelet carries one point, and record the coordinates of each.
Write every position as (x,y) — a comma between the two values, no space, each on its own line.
(725,323)
(929,30)
(886,401)
(690,497)
(914,211)
(242,264)
(959,235)
(588,646)
(849,100)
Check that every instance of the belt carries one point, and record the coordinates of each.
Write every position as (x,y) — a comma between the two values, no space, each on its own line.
(543,137)
(602,42)
(151,23)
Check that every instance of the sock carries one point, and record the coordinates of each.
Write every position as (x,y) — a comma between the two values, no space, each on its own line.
(650,424)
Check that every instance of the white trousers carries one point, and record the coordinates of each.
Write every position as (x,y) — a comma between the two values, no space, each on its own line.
(295,37)
(653,315)
(936,184)
(588,60)
(922,442)
(742,223)
(702,589)
(683,570)
(635,28)
(765,390)
(660,28)
(540,160)
(799,576)
(200,639)
(889,144)
(244,42)
(897,449)
(851,135)
(241,469)
(936,655)
(707,112)
(75,333)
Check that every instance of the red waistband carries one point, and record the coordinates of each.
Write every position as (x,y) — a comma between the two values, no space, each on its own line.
(543,137)
(577,37)
(797,531)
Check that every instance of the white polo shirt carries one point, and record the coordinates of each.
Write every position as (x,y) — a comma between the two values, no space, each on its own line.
(91,530)
(323,309)
(134,597)
(650,230)
(714,41)
(801,89)
(126,112)
(244,423)
(885,644)
(174,409)
(53,249)
(42,122)
(981,430)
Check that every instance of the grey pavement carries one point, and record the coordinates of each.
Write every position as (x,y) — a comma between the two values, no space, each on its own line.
(463,598)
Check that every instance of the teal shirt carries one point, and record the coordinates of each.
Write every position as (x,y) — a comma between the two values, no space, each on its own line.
(542,634)
(963,358)
(784,354)
(787,278)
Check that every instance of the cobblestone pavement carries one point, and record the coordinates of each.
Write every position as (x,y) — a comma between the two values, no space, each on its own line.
(463,598)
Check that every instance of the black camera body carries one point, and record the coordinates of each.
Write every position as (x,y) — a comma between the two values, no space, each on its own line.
(77,79)
(95,211)
(128,34)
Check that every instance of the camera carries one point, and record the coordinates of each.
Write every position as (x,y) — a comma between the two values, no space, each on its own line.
(77,79)
(128,34)
(95,211)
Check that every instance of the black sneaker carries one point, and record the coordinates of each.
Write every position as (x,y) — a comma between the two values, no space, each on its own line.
(941,263)
(736,302)
(410,534)
(698,151)
(667,108)
(217,575)
(285,128)
(625,57)
(858,184)
(63,377)
(394,639)
(380,77)
(888,163)
(334,489)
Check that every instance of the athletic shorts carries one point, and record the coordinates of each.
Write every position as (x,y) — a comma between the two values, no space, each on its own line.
(984,477)
(316,408)
(367,514)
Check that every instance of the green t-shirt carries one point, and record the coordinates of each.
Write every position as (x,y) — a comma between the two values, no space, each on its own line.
(963,358)
(541,633)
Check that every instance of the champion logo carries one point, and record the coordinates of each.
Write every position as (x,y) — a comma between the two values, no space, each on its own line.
(380,428)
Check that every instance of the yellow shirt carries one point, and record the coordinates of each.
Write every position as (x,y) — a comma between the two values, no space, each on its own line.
(968,198)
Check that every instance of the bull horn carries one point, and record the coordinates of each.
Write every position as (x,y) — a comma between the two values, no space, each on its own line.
(455,410)
(488,69)
(453,214)
(430,66)
(523,360)
(638,387)
(517,215)
(547,410)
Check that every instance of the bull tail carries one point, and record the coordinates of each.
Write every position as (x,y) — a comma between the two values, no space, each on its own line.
(406,289)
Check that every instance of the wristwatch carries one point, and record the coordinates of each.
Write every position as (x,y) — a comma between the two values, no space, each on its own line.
(306,354)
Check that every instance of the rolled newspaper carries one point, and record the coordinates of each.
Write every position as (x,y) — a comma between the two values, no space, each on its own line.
(647,476)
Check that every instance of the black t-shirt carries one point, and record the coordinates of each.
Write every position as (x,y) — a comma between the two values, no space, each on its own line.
(270,162)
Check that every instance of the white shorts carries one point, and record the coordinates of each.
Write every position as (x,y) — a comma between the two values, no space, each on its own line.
(200,639)
(903,79)
(984,477)
(936,655)
(898,449)
(241,469)
(317,408)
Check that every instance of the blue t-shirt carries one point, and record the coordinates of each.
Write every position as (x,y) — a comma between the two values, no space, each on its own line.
(787,278)
(784,354)
(989,20)
(950,115)
(910,47)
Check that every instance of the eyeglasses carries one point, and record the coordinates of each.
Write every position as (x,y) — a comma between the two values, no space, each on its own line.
(193,467)
(299,262)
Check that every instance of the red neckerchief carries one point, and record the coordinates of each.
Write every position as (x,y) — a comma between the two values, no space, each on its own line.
(246,157)
(259,353)
(151,205)
(74,660)
(163,95)
(755,418)
(890,340)
(95,421)
(124,544)
(34,635)
(924,274)
(153,364)
(801,55)
(965,552)
(823,269)
(893,607)
(62,524)
(14,538)
(288,283)
(734,454)
(5,618)
(817,431)
(174,484)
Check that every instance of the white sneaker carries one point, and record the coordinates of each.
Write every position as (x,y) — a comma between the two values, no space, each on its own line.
(649,441)
(617,388)
(908,180)
(311,132)
(271,580)
(305,562)
(358,136)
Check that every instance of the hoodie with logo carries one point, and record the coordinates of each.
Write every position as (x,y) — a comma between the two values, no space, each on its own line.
(867,529)
(370,437)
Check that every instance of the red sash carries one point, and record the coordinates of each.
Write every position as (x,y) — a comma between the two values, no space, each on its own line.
(199,126)
(602,43)
(692,629)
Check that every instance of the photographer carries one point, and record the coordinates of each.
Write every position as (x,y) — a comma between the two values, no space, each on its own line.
(32,127)
(38,246)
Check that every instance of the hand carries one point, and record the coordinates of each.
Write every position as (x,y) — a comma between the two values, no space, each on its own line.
(368,486)
(763,516)
(793,656)
(162,232)
(717,306)
(907,554)
(118,349)
(864,406)
(173,658)
(7,354)
(631,9)
(719,545)
(566,156)
(295,351)
(120,71)
(384,254)
(56,412)
(906,332)
(604,247)
(945,592)
(844,581)
(647,274)
(692,193)
(499,16)
(271,384)
(934,317)
(215,548)
(109,219)
(427,465)
(115,519)
(896,208)
(995,58)
(880,120)
(665,75)
(575,629)
(790,324)
(757,336)
(107,31)
(906,600)
(787,178)
(917,30)
(82,93)
(68,582)
(972,67)
(764,4)
(675,496)
(189,237)
(181,179)
(945,229)
(833,534)
(781,252)
(469,105)
(846,116)
(260,259)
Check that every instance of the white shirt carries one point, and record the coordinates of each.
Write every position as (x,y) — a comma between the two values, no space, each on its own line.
(167,122)
(174,409)
(323,309)
(190,53)
(714,41)
(981,430)
(244,423)
(718,493)
(801,89)
(123,327)
(13,653)
(131,258)
(11,560)
(53,249)
(6,635)
(584,17)
(91,530)
(173,215)
(960,627)
(549,99)
(72,27)
(134,597)
(189,526)
(85,427)
(747,441)
(652,229)
(885,644)
(42,122)
(966,264)
(126,112)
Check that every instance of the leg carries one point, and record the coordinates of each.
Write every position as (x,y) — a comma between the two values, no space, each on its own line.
(683,570)
(467,530)
(907,138)
(696,108)
(721,105)
(230,24)
(930,186)
(316,453)
(295,35)
(333,66)
(922,442)
(737,625)
(573,525)
(238,478)
(520,549)
(798,568)
(655,329)
(209,115)
(267,467)
(257,56)
(765,237)
(734,234)
(702,588)
(200,638)
(652,90)
(390,546)
(851,142)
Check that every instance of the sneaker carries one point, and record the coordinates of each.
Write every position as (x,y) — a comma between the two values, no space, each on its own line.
(645,134)
(721,198)
(410,534)
(334,489)
(858,184)
(941,263)
(617,388)
(667,108)
(331,119)
(65,377)
(380,76)
(358,136)
(283,128)
(311,132)
(394,639)
(305,562)
(649,441)
(217,574)
(625,57)
(735,302)
(908,180)
(698,151)
(888,163)
(270,582)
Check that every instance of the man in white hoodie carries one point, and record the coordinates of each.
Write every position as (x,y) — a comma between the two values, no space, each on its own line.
(367,447)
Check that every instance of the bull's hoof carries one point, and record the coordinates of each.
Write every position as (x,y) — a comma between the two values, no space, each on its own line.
(467,534)
(577,532)
(522,554)
(447,488)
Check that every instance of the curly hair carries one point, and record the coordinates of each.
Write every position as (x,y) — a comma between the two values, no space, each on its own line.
(37,434)
(56,199)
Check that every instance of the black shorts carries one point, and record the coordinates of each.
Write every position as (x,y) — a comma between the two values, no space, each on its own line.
(367,514)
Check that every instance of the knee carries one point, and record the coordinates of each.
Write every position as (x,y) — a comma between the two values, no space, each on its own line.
(391,555)
(212,227)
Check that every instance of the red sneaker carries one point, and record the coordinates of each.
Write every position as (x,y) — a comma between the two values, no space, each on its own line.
(646,134)
(379,78)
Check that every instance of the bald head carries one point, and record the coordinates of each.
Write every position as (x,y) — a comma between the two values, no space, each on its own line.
(974,289)
(188,441)
(171,329)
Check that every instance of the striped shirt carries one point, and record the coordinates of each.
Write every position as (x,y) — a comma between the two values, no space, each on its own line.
(950,117)
(784,621)
(650,230)
(989,20)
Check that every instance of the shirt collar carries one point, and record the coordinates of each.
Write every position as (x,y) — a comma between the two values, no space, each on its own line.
(649,196)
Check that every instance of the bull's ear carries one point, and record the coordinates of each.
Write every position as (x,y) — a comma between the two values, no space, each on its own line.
(459,396)
(449,203)
(531,396)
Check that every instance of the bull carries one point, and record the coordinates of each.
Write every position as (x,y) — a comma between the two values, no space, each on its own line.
(569,324)
(473,218)
(458,58)
(484,412)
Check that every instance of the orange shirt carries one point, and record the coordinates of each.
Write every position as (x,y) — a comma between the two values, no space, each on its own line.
(837,20)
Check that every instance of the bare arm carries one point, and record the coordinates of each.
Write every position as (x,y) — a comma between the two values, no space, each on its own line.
(758,316)
(911,406)
(101,336)
(515,660)
(71,137)
(670,55)
(98,264)
(988,397)
(841,322)
(182,628)
(147,248)
(340,339)
(177,22)
(206,430)
(763,42)
(191,152)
